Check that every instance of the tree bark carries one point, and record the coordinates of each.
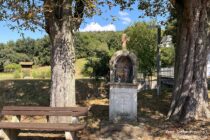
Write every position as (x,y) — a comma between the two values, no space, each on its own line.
(60,26)
(190,95)
(63,72)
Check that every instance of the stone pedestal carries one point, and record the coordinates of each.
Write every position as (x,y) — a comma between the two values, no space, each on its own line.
(123,102)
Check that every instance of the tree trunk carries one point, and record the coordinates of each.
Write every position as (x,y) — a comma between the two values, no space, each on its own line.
(63,72)
(190,95)
(62,67)
(62,17)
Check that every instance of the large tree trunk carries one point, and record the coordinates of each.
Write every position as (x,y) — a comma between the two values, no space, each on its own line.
(190,95)
(63,72)
(60,25)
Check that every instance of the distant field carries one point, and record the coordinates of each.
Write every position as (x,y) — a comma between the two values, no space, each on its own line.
(4,76)
(41,72)
(80,63)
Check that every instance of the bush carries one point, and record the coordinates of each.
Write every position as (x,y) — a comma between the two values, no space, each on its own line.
(34,74)
(97,66)
(26,73)
(17,74)
(143,44)
(167,56)
(38,75)
(12,67)
(43,74)
(48,74)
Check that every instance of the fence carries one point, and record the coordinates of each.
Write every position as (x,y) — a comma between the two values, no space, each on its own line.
(167,72)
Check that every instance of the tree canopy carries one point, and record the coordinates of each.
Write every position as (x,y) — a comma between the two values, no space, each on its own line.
(37,51)
(143,44)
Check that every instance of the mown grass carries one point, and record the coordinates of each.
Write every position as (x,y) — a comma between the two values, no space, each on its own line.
(4,76)
(80,63)
(37,92)
(24,92)
(44,72)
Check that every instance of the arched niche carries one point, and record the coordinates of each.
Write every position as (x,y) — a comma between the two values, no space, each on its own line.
(123,67)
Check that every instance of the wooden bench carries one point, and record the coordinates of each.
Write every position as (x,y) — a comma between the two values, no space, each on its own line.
(10,130)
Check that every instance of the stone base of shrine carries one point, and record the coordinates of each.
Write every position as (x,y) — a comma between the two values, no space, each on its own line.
(123,102)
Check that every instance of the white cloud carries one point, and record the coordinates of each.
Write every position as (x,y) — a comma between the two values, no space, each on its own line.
(122,13)
(124,17)
(94,26)
(125,20)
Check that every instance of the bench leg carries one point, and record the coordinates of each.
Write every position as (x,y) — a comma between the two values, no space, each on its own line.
(70,135)
(8,134)
(16,118)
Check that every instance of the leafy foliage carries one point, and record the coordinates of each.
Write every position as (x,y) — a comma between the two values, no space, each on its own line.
(33,14)
(167,56)
(171,25)
(12,67)
(91,43)
(98,65)
(16,75)
(37,51)
(143,44)
(98,48)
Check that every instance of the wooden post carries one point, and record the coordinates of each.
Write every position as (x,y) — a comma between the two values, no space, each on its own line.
(8,134)
(69,135)
(4,134)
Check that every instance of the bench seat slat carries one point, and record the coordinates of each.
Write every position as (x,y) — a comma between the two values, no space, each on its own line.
(35,108)
(42,126)
(45,113)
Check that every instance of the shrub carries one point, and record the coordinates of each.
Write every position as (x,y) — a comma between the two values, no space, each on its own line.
(37,75)
(26,73)
(43,74)
(97,66)
(17,74)
(48,74)
(34,74)
(12,67)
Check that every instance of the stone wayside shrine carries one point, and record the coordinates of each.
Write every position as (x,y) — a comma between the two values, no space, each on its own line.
(123,86)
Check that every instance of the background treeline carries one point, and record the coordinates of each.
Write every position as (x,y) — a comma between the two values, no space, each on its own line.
(96,47)
(37,51)
(89,45)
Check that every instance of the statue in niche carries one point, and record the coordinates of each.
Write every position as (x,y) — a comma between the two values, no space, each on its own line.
(123,70)
(126,73)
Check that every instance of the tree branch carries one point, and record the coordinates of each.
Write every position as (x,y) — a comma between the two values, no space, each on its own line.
(79,12)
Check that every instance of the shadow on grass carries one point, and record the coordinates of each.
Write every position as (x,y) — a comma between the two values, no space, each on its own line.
(152,111)
(37,92)
(90,89)
(149,100)
(25,92)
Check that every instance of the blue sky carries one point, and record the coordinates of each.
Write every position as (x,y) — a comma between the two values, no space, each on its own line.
(96,23)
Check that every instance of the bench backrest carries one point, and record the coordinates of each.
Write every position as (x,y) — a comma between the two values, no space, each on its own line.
(45,111)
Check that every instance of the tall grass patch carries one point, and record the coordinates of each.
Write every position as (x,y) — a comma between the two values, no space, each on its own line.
(12,67)
(41,73)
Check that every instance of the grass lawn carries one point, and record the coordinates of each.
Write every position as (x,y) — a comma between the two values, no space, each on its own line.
(4,76)
(41,72)
(24,92)
(80,63)
(152,111)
